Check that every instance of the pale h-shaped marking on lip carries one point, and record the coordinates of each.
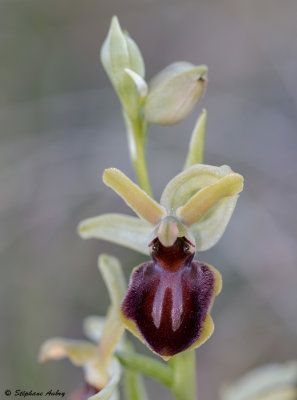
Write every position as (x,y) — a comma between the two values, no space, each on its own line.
(171,283)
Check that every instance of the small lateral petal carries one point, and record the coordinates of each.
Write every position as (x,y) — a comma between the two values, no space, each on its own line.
(182,187)
(136,198)
(198,205)
(121,229)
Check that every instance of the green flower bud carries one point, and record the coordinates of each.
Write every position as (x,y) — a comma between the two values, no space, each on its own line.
(174,91)
(118,53)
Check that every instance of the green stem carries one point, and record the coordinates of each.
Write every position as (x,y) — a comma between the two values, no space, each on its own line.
(146,365)
(134,388)
(137,131)
(184,382)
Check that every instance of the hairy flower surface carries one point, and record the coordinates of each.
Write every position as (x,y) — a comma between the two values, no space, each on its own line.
(169,298)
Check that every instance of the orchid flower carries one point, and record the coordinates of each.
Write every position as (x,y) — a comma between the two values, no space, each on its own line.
(102,370)
(169,298)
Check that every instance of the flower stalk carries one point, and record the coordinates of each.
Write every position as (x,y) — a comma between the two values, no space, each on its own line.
(178,375)
(154,369)
(136,134)
(184,373)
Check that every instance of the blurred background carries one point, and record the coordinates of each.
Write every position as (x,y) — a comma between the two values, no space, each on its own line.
(61,125)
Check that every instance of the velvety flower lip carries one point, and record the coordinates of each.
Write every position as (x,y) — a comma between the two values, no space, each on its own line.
(169,298)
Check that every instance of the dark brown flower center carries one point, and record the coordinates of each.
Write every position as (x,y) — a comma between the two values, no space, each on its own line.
(169,297)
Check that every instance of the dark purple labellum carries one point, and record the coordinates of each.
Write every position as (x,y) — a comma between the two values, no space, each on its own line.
(169,297)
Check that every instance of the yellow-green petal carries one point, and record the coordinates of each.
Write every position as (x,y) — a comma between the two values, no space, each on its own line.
(201,202)
(124,230)
(196,146)
(137,199)
(184,185)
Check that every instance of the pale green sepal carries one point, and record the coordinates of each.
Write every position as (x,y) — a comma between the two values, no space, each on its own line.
(109,392)
(210,228)
(269,382)
(117,53)
(184,185)
(135,57)
(174,92)
(202,201)
(196,147)
(113,330)
(137,199)
(93,327)
(121,229)
(114,54)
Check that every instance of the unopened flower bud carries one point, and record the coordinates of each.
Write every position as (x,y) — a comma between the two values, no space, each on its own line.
(174,92)
(118,53)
